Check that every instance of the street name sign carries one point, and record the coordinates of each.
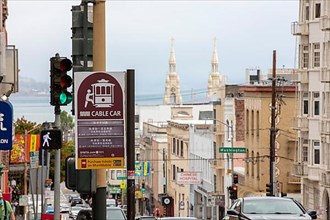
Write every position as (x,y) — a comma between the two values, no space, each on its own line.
(232,150)
(6,125)
(99,103)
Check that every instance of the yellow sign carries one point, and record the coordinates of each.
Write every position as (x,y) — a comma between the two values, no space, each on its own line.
(33,144)
(100,163)
(123,185)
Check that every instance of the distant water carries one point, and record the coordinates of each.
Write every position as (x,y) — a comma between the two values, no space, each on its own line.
(35,108)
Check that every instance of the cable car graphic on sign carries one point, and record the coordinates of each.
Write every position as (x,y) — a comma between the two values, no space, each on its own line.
(101,94)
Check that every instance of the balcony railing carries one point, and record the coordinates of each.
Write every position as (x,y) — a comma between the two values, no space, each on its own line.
(325,75)
(299,28)
(325,23)
(299,169)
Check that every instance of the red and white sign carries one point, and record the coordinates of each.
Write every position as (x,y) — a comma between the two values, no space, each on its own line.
(99,112)
(188,178)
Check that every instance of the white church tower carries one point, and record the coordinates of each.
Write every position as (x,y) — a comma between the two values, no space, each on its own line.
(216,82)
(172,84)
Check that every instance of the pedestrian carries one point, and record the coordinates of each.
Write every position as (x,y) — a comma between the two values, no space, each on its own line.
(6,211)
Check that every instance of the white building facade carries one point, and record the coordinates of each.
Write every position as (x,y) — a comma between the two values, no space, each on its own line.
(313,120)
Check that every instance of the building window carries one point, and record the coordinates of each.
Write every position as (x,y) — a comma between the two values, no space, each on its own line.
(173,172)
(173,151)
(258,166)
(305,153)
(305,107)
(316,107)
(247,122)
(177,147)
(305,57)
(316,148)
(246,162)
(307,12)
(252,167)
(119,173)
(214,150)
(181,149)
(258,123)
(137,118)
(215,183)
(317,55)
(113,177)
(317,10)
(252,122)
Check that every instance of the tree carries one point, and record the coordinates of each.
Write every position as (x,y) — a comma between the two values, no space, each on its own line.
(66,121)
(21,125)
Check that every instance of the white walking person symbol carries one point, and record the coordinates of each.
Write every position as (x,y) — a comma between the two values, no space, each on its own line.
(46,139)
(2,128)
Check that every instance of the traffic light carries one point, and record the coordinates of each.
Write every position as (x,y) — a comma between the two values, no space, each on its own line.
(235,178)
(269,189)
(1,168)
(60,81)
(233,192)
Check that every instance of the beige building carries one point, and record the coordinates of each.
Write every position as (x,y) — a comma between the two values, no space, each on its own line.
(257,138)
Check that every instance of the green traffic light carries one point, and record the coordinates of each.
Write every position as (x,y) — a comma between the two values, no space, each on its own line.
(65,98)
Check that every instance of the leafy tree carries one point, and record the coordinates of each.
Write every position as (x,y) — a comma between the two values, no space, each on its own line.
(66,121)
(21,125)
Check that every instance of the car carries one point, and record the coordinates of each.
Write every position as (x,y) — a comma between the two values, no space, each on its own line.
(113,213)
(268,208)
(85,214)
(178,218)
(74,211)
(64,207)
(145,218)
(75,201)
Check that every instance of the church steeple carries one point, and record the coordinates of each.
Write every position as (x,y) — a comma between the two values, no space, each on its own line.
(172,62)
(216,82)
(215,59)
(172,84)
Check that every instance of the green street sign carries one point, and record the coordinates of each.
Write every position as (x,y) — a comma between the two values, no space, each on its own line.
(121,177)
(232,150)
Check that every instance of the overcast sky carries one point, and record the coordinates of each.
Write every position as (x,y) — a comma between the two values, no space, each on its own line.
(139,36)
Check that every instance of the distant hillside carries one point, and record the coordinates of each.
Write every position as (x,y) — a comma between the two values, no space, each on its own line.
(29,86)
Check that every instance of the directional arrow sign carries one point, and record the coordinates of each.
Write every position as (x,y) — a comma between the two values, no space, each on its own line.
(51,139)
(232,150)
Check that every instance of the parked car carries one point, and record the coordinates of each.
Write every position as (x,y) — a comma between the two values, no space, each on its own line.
(111,202)
(113,213)
(75,201)
(268,208)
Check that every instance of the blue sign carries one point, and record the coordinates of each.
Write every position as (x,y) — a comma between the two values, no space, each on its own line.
(6,125)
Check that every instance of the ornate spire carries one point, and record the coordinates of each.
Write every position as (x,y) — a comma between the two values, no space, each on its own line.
(172,63)
(215,60)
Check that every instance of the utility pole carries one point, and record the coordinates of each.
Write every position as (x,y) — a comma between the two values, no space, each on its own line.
(272,179)
(99,64)
(130,143)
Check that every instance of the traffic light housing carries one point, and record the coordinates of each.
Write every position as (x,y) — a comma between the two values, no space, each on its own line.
(235,178)
(269,189)
(233,192)
(60,81)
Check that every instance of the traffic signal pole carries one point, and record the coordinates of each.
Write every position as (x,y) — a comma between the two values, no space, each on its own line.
(57,171)
(99,64)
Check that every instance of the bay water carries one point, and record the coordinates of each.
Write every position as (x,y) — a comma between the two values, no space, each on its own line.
(35,108)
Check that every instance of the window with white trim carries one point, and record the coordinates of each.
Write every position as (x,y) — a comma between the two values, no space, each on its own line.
(317,10)
(316,55)
(305,150)
(305,56)
(316,152)
(305,103)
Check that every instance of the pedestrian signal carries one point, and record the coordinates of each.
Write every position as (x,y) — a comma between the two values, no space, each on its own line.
(51,139)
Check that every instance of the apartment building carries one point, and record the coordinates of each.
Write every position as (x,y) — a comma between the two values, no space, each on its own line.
(258,99)
(313,164)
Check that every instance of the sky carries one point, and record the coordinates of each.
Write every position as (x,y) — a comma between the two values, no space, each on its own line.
(138,36)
